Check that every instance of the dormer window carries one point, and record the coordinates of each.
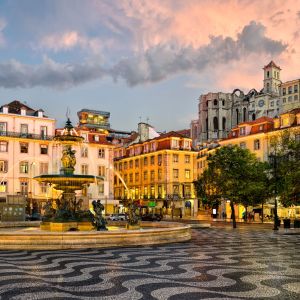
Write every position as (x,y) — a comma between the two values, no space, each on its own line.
(23,111)
(40,114)
(5,109)
(242,130)
(175,143)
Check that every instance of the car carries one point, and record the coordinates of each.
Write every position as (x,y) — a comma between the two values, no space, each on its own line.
(151,217)
(117,217)
(33,217)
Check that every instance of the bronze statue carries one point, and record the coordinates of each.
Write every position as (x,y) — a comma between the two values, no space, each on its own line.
(97,220)
(68,158)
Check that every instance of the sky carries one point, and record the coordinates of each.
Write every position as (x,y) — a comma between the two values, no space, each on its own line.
(141,60)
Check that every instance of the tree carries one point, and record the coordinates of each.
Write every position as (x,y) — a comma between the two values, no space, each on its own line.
(285,166)
(235,174)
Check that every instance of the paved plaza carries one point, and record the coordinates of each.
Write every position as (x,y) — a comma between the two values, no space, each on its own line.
(216,264)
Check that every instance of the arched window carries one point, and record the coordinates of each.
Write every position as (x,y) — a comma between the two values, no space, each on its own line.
(268,87)
(216,125)
(237,116)
(223,102)
(224,123)
(268,74)
(215,102)
(253,117)
(244,114)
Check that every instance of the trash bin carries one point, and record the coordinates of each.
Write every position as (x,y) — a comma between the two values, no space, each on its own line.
(287,223)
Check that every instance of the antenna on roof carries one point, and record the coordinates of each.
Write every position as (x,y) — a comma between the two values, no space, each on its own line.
(68,113)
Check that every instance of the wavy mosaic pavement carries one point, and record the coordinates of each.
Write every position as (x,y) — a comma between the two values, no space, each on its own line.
(216,264)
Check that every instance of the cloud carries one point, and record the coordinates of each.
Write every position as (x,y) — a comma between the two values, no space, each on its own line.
(155,64)
(49,74)
(69,40)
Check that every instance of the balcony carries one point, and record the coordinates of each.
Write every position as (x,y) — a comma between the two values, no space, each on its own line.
(22,135)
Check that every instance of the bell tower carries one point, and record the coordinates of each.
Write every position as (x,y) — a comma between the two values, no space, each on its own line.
(272,78)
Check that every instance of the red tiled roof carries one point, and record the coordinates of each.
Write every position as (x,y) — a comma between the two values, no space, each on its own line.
(258,121)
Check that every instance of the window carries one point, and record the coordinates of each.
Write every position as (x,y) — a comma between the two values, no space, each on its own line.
(152,176)
(295,88)
(290,99)
(176,189)
(159,191)
(243,145)
(3,146)
(186,144)
(145,161)
(137,176)
(84,151)
(152,191)
(272,103)
(215,102)
(24,147)
(283,100)
(175,173)
(175,158)
(125,165)
(3,166)
(242,130)
(120,167)
(187,159)
(216,124)
(84,169)
(136,163)
(24,167)
(244,114)
(284,91)
(145,175)
(159,159)
(24,187)
(96,138)
(84,135)
(24,130)
(43,187)
(43,168)
(188,174)
(261,127)
(223,102)
(43,132)
(290,89)
(130,164)
(159,174)
(296,98)
(152,160)
(130,177)
(268,87)
(44,149)
(101,188)
(3,186)
(3,127)
(224,123)
(101,153)
(268,74)
(101,171)
(175,143)
(125,178)
(256,144)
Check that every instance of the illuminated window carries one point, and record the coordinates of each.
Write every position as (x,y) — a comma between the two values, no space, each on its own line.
(3,166)
(130,177)
(24,187)
(3,186)
(24,167)
(137,176)
(188,174)
(242,130)
(3,146)
(101,188)
(96,138)
(145,175)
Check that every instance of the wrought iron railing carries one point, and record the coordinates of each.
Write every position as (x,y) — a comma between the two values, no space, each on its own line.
(22,135)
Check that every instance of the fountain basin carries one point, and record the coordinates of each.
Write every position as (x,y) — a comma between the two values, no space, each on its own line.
(151,233)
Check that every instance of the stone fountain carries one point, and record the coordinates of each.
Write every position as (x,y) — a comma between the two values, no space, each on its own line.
(65,213)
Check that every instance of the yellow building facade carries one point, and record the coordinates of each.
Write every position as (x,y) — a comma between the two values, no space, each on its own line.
(159,174)
(255,136)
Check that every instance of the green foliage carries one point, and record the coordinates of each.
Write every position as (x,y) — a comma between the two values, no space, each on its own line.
(285,167)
